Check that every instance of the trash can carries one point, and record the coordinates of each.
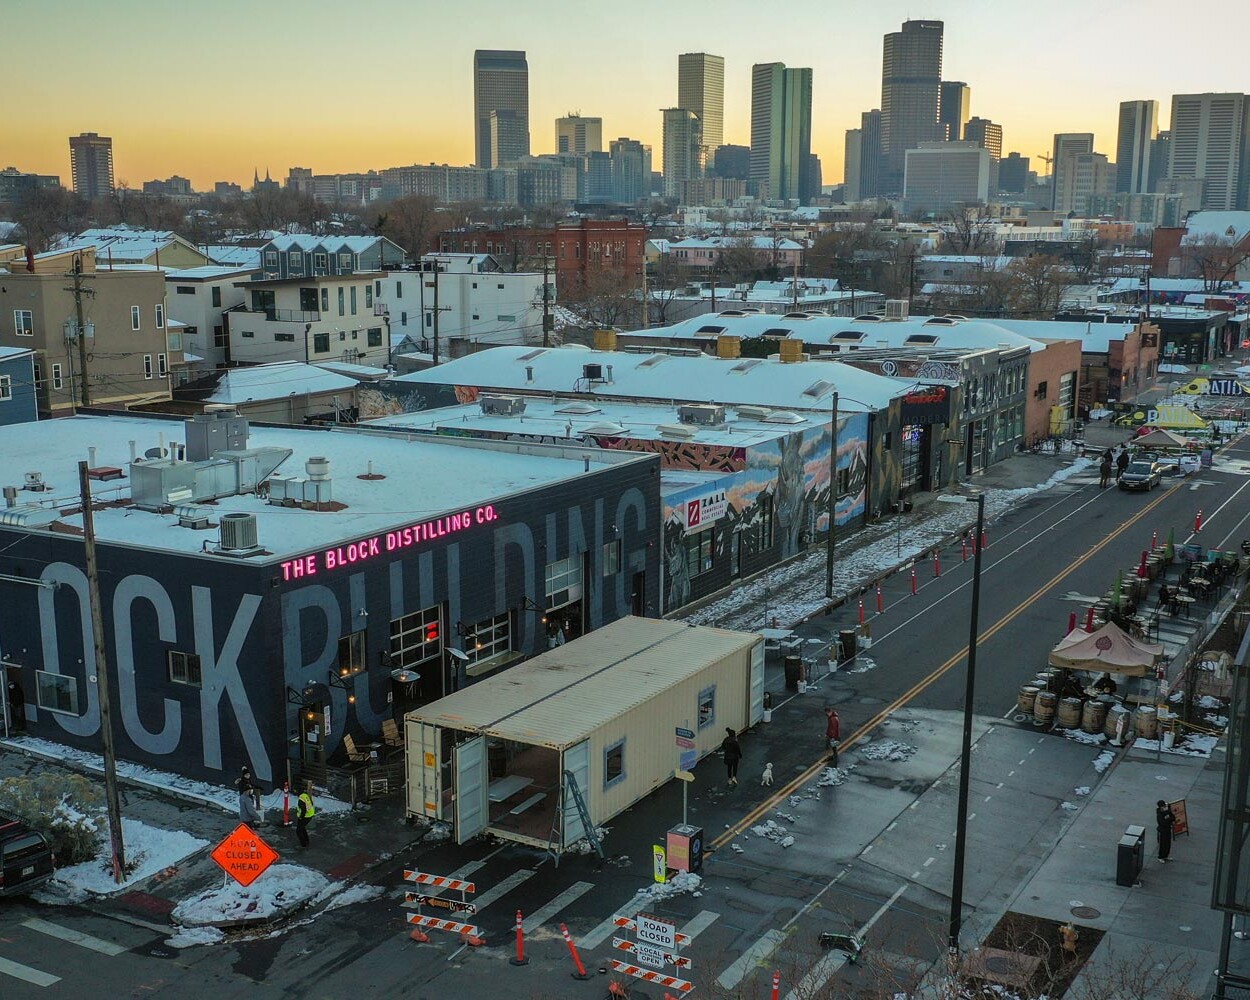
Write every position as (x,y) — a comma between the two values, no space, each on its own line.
(848,641)
(1130,855)
(496,759)
(794,672)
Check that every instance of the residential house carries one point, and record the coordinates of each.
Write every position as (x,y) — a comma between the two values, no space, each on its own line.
(289,392)
(119,245)
(300,255)
(17,386)
(198,298)
(708,253)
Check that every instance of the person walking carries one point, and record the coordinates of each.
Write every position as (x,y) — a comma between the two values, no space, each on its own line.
(1104,471)
(17,707)
(249,798)
(732,751)
(305,810)
(833,734)
(1121,463)
(1164,821)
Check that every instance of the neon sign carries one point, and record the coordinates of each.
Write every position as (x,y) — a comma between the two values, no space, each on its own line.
(391,541)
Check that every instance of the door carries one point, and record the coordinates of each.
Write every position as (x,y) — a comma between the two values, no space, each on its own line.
(577,763)
(422,753)
(468,761)
(757,683)
(638,597)
(312,734)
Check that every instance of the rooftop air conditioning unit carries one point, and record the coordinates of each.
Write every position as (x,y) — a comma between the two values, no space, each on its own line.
(501,406)
(679,431)
(239,535)
(895,308)
(701,413)
(34,482)
(592,373)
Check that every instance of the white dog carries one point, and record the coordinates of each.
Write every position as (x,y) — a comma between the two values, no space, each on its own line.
(767,778)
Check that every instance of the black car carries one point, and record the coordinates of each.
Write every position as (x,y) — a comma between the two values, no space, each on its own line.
(26,860)
(1141,476)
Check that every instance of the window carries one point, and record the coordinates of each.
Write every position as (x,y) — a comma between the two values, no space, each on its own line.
(271,258)
(160,316)
(308,300)
(56,692)
(844,482)
(325,300)
(216,297)
(490,638)
(352,654)
(417,638)
(135,315)
(375,337)
(184,668)
(247,334)
(768,523)
(613,765)
(219,337)
(707,707)
(58,381)
(320,262)
(345,262)
(370,292)
(184,289)
(563,581)
(342,335)
(162,368)
(321,343)
(699,552)
(399,290)
(175,339)
(284,338)
(612,558)
(23,322)
(295,260)
(353,290)
(1042,390)
(6,388)
(38,377)
(500,287)
(355,335)
(505,318)
(403,318)
(147,366)
(342,298)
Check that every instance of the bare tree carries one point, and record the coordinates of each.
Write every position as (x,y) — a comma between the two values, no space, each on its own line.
(1036,285)
(413,222)
(45,214)
(970,230)
(1215,259)
(604,297)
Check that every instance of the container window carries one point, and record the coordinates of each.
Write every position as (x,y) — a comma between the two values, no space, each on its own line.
(352,654)
(56,692)
(613,765)
(184,668)
(707,707)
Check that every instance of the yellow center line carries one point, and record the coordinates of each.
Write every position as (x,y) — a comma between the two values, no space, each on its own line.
(791,787)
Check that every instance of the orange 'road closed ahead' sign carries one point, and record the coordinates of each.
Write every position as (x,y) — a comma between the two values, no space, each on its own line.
(243,855)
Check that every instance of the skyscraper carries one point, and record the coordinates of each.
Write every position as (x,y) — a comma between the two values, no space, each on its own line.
(1013,173)
(683,144)
(631,170)
(1160,158)
(781,131)
(501,82)
(851,161)
(1067,146)
(701,89)
(575,134)
(911,79)
(1211,143)
(507,137)
(1139,125)
(986,134)
(954,109)
(91,164)
(870,160)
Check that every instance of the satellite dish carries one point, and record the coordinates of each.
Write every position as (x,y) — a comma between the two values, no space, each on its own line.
(459,654)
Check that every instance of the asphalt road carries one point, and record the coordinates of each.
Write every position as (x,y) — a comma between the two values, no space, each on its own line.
(872,855)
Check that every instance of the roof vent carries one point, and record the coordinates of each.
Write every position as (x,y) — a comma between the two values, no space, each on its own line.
(708,414)
(318,468)
(28,515)
(749,412)
(238,535)
(502,406)
(579,408)
(607,428)
(896,308)
(868,318)
(192,515)
(783,417)
(34,483)
(940,321)
(681,431)
(592,373)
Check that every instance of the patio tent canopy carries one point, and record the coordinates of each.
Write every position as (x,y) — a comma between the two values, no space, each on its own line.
(1108,649)
(1161,439)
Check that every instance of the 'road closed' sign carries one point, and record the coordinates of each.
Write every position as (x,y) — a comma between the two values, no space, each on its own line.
(654,931)
(243,855)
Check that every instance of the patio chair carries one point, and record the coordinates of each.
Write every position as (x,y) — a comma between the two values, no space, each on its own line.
(354,756)
(391,735)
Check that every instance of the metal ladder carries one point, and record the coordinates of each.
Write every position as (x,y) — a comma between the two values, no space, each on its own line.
(557,829)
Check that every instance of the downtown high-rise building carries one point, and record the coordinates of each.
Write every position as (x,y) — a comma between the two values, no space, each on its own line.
(1139,126)
(987,135)
(631,170)
(91,164)
(701,89)
(954,108)
(911,81)
(576,134)
(1211,143)
(1067,146)
(863,158)
(1013,174)
(683,148)
(781,132)
(501,83)
(1160,159)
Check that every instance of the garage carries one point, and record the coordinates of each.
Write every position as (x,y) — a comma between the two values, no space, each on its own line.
(580,733)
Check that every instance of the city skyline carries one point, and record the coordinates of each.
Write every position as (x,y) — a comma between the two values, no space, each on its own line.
(220,137)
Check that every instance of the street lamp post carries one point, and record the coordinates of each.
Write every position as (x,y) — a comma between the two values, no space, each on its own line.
(965,754)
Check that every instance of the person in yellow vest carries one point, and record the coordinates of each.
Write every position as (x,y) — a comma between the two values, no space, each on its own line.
(305,810)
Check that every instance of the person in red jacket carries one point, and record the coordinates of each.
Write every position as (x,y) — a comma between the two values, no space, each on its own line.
(833,734)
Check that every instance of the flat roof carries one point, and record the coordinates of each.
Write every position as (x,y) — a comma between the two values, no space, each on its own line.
(313,279)
(425,477)
(562,696)
(209,272)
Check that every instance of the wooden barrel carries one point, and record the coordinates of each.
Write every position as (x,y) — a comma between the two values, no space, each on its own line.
(1114,714)
(1026,698)
(1044,708)
(1069,713)
(1146,722)
(1093,716)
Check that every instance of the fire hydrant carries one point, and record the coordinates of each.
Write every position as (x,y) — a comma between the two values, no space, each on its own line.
(1068,936)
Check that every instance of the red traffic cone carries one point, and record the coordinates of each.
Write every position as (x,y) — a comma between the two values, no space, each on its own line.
(937,564)
(1198,522)
(913,579)
(861,611)
(880,600)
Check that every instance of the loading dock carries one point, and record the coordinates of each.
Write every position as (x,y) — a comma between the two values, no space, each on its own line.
(594,718)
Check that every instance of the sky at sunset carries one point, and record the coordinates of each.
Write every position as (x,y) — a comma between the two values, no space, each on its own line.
(210,91)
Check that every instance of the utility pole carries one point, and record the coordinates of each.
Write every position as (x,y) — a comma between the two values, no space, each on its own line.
(794,287)
(102,680)
(78,292)
(831,537)
(436,313)
(646,305)
(548,321)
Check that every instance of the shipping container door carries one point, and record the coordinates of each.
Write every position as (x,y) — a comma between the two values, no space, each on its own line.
(577,763)
(472,808)
(757,683)
(425,788)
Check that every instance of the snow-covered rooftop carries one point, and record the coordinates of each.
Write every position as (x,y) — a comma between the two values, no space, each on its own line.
(357,372)
(1095,337)
(229,254)
(9,353)
(276,381)
(731,242)
(799,385)
(208,272)
(1232,227)
(329,243)
(424,478)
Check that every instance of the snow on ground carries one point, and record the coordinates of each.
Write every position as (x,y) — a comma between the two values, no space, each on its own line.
(1083,790)
(149,850)
(1080,736)
(190,937)
(1206,701)
(1103,761)
(832,776)
(584,846)
(774,831)
(1069,806)
(862,665)
(279,890)
(680,883)
(887,750)
(162,781)
(354,894)
(1191,746)
(796,590)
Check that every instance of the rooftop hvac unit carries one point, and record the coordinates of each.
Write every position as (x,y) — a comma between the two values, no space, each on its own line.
(680,431)
(592,373)
(895,308)
(34,482)
(238,534)
(192,515)
(28,515)
(701,413)
(501,406)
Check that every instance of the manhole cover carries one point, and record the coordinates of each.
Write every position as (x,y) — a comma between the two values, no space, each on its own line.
(1086,912)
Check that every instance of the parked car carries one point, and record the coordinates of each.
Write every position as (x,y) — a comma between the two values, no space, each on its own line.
(26,859)
(1141,476)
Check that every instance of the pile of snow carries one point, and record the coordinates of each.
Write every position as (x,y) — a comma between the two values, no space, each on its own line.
(1083,790)
(774,831)
(887,750)
(281,889)
(680,883)
(149,850)
(437,833)
(832,776)
(1080,736)
(1219,721)
(190,937)
(354,894)
(1206,701)
(584,846)
(1069,806)
(736,849)
(862,665)
(1191,746)
(1104,760)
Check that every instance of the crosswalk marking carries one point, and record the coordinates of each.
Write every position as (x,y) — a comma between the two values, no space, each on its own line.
(830,963)
(604,930)
(545,913)
(699,923)
(27,974)
(503,888)
(758,952)
(73,936)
